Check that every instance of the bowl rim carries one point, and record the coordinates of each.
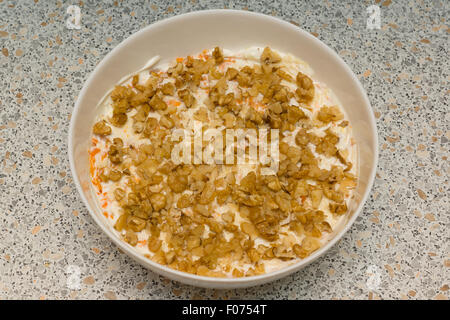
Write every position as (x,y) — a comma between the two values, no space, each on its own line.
(204,281)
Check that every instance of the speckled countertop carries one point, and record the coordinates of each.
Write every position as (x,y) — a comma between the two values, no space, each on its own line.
(397,249)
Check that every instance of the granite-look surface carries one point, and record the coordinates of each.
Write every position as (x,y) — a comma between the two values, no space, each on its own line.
(397,249)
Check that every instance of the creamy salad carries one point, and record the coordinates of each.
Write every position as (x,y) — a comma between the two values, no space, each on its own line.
(223,220)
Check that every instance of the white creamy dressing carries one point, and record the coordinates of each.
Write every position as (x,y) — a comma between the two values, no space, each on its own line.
(247,57)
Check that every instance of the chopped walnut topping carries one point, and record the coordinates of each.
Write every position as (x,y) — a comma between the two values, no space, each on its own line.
(202,218)
(329,114)
(305,92)
(101,128)
(217,54)
(269,57)
(187,97)
(157,103)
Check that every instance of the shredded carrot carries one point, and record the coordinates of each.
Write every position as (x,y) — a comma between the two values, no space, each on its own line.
(180,59)
(104,156)
(142,242)
(92,160)
(106,214)
(95,151)
(95,179)
(94,141)
(91,165)
(105,204)
(174,102)
(96,183)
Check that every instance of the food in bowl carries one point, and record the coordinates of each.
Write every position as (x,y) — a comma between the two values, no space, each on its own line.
(218,218)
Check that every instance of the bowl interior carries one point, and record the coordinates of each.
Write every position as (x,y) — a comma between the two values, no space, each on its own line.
(192,33)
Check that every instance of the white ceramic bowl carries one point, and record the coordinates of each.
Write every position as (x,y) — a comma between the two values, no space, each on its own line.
(191,33)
